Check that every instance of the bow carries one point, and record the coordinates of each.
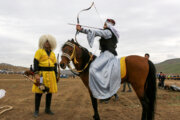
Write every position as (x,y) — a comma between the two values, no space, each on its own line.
(58,65)
(78,18)
(86,26)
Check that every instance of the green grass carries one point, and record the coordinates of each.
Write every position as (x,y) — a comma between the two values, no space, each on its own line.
(171,66)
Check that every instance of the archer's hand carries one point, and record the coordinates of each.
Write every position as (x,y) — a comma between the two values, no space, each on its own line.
(37,77)
(78,28)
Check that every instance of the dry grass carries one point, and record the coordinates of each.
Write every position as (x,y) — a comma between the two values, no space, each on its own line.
(72,102)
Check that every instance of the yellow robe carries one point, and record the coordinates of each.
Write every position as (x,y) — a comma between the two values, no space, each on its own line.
(49,77)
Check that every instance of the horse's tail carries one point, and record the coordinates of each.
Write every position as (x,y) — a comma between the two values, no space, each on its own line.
(150,90)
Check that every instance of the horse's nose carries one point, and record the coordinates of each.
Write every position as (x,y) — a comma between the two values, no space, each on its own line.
(62,65)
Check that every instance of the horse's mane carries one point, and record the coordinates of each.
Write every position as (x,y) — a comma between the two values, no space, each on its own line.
(85,53)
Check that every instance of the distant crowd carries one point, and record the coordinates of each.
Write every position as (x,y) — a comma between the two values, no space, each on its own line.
(169,76)
(10,72)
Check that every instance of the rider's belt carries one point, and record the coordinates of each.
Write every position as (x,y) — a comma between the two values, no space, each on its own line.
(46,68)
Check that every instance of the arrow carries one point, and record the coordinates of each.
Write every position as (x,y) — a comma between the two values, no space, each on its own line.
(85,26)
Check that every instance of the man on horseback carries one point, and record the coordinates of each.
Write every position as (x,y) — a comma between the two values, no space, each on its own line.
(104,73)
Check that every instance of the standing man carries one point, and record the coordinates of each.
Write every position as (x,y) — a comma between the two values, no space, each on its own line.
(162,77)
(31,68)
(45,69)
(104,73)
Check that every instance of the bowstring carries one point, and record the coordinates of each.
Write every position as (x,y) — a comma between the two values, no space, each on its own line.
(98,14)
(101,23)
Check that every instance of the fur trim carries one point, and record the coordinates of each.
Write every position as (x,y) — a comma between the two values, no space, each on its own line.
(51,40)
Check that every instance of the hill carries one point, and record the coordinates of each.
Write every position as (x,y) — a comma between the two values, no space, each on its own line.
(169,66)
(9,67)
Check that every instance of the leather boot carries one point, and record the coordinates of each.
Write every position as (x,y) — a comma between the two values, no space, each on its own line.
(37,104)
(48,104)
(116,97)
(124,87)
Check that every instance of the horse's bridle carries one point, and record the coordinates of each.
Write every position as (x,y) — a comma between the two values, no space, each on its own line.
(73,53)
(73,56)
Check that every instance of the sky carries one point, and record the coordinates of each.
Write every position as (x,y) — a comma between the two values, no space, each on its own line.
(145,26)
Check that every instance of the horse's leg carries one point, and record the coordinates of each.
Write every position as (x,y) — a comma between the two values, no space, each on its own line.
(144,102)
(136,75)
(85,79)
(95,107)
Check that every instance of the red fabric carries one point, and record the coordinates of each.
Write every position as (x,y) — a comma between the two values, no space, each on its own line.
(112,21)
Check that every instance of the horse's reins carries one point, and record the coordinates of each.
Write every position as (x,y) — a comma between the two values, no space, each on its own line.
(73,56)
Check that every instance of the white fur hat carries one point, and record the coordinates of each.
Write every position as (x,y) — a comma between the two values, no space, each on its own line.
(50,39)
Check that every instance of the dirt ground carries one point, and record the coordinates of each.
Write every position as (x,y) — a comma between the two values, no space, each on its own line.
(72,102)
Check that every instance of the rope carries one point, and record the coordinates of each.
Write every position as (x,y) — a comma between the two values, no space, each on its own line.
(8,108)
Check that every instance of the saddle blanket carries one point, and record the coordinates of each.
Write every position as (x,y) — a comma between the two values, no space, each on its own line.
(123,67)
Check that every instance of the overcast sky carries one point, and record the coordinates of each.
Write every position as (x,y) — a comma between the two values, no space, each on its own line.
(145,26)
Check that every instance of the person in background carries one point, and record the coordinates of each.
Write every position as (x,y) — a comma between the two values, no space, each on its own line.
(31,68)
(147,56)
(45,70)
(162,78)
(124,86)
(159,78)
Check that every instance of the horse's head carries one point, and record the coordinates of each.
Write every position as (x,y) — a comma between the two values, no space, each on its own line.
(69,53)
(80,56)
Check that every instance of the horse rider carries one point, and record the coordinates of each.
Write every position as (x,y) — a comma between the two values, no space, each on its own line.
(45,69)
(104,73)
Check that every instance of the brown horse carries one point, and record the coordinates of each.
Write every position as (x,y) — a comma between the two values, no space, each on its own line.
(141,73)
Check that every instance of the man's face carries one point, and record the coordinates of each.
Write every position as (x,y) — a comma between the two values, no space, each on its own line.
(47,45)
(146,56)
(105,25)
